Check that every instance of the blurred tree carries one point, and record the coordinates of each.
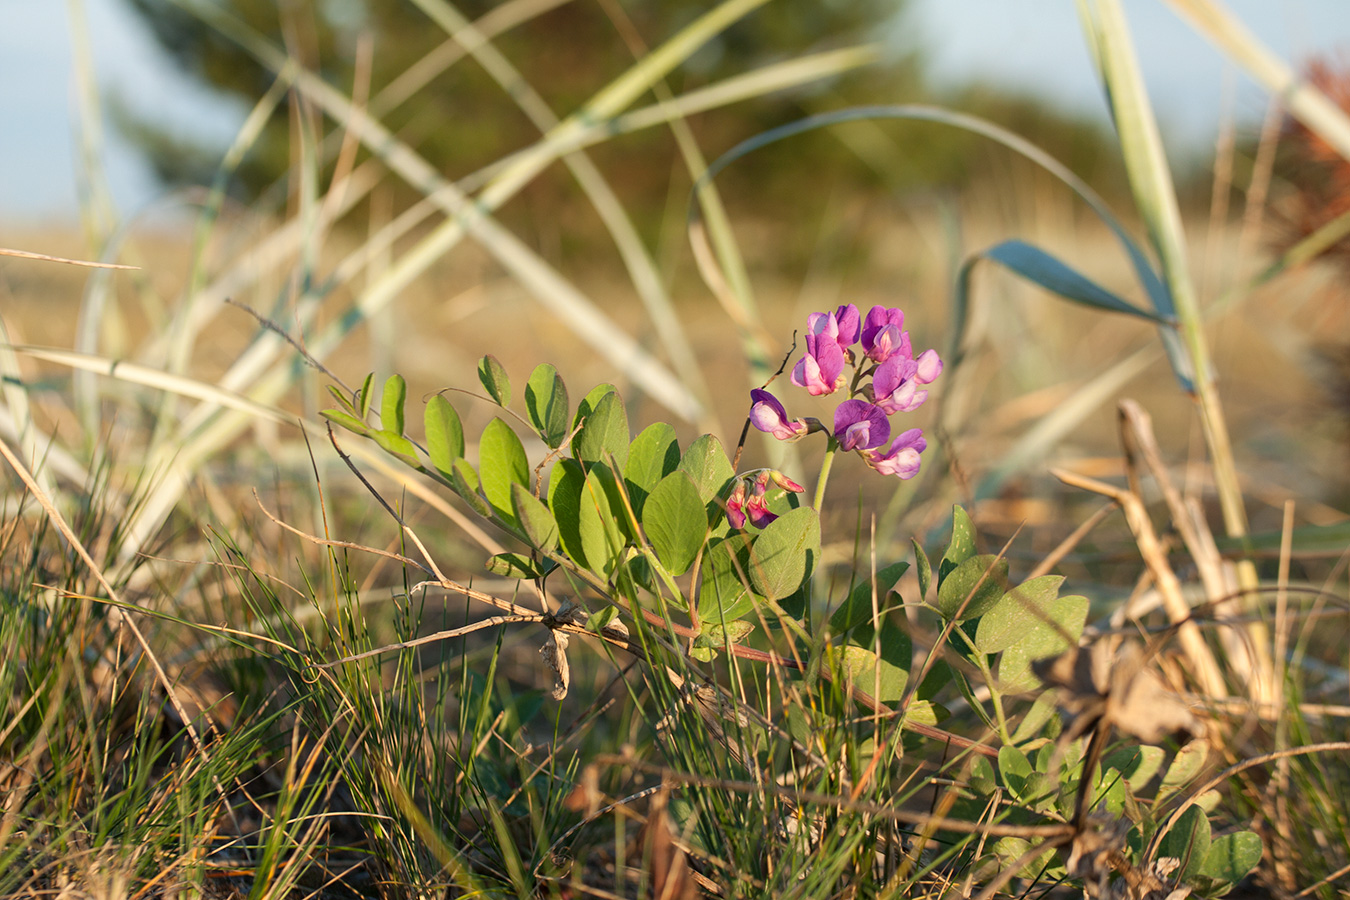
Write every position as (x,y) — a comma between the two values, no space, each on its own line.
(460,120)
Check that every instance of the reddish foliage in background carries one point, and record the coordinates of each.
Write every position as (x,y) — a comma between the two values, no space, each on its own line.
(1317,173)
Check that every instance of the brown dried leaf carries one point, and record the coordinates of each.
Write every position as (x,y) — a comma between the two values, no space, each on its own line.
(1111,680)
(554,653)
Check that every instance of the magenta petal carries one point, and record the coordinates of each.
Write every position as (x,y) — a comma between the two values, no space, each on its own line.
(849,324)
(858,425)
(830,358)
(929,367)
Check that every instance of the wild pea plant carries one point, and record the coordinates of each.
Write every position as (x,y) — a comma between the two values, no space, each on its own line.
(675,556)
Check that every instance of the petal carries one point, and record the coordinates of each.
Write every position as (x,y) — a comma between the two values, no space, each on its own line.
(849,324)
(830,359)
(929,367)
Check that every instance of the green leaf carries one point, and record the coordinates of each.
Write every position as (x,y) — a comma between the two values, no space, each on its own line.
(676,522)
(346,420)
(565,485)
(604,432)
(1186,765)
(391,404)
(653,455)
(784,552)
(494,379)
(512,565)
(1025,607)
(925,570)
(1039,267)
(962,546)
(1232,856)
(366,396)
(962,583)
(465,481)
(857,660)
(857,607)
(591,400)
(502,462)
(397,446)
(1138,764)
(716,637)
(1051,636)
(706,463)
(723,595)
(342,399)
(534,518)
(601,539)
(1035,718)
(1014,768)
(1188,840)
(445,434)
(546,404)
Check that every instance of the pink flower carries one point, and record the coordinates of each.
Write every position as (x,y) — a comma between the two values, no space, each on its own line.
(883,334)
(736,506)
(768,415)
(858,425)
(895,384)
(758,507)
(902,457)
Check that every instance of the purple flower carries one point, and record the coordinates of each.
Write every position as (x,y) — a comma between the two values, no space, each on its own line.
(895,384)
(902,457)
(849,324)
(858,425)
(736,506)
(768,415)
(757,506)
(821,370)
(883,334)
(785,482)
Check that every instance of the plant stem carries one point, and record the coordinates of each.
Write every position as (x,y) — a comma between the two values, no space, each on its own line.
(825,473)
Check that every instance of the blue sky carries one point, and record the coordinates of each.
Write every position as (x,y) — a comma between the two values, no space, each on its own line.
(1035,44)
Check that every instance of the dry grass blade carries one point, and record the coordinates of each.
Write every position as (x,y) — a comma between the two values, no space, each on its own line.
(25,254)
(1203,664)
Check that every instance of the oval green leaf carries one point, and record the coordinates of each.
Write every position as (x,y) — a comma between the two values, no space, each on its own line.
(653,455)
(391,404)
(1050,636)
(1017,613)
(676,522)
(969,580)
(962,546)
(397,446)
(784,552)
(1232,856)
(857,607)
(445,433)
(1188,841)
(492,375)
(605,432)
(859,661)
(546,404)
(465,482)
(501,463)
(366,396)
(601,539)
(535,520)
(726,566)
(706,463)
(512,565)
(565,485)
(346,420)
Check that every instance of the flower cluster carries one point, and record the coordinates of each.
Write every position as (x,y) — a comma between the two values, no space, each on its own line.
(748,499)
(887,378)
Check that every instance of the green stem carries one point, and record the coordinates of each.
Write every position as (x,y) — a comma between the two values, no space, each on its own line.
(825,473)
